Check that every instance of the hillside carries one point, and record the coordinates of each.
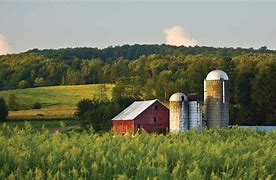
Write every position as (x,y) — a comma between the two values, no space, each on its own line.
(132,52)
(56,101)
(73,66)
(153,71)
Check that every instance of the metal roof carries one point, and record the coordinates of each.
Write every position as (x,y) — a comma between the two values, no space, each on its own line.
(134,110)
(217,75)
(178,97)
(193,97)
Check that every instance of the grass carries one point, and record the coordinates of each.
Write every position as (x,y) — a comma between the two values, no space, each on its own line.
(44,113)
(56,101)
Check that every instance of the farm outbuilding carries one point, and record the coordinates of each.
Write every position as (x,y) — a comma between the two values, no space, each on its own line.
(185,112)
(195,115)
(148,115)
(178,112)
(216,99)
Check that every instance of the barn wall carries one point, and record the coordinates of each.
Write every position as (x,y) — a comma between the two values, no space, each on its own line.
(123,126)
(146,118)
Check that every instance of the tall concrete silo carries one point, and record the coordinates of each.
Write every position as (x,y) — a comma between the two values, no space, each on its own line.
(178,112)
(216,99)
(195,115)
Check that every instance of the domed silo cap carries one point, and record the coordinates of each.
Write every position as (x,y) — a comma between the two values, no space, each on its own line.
(178,97)
(193,97)
(217,75)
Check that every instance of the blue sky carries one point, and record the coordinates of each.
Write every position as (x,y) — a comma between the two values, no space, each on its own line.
(27,24)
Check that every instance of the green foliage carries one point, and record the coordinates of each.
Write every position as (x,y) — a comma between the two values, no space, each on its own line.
(23,84)
(135,51)
(153,71)
(36,105)
(39,82)
(3,109)
(61,124)
(13,104)
(210,154)
(264,88)
(83,106)
(101,93)
(100,116)
(99,112)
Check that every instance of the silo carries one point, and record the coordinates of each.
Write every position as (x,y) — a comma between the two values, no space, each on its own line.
(178,112)
(216,99)
(195,115)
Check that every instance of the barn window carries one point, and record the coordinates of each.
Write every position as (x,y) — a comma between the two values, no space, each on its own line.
(156,107)
(154,119)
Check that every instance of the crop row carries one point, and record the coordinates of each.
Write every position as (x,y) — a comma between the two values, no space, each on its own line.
(220,153)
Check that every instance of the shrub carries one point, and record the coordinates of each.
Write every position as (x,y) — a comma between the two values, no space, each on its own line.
(3,109)
(13,105)
(39,82)
(23,84)
(36,105)
(83,106)
(99,112)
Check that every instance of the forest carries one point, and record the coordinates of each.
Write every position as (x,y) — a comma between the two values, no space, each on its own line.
(154,71)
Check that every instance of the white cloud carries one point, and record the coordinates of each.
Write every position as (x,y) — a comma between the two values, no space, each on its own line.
(176,35)
(4,46)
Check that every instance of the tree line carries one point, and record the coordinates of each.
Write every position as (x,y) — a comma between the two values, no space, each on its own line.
(154,71)
(132,52)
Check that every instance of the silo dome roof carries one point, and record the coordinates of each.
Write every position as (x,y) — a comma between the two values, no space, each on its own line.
(178,97)
(216,75)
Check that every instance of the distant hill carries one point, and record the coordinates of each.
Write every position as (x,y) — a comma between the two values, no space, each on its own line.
(72,66)
(132,52)
(56,101)
(154,71)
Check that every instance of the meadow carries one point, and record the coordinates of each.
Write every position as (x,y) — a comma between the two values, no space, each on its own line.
(211,154)
(56,101)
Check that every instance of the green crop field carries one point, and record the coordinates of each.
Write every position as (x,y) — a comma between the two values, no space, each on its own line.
(56,101)
(211,154)
(50,124)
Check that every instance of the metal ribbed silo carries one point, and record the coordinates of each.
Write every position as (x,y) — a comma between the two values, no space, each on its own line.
(178,112)
(195,115)
(216,99)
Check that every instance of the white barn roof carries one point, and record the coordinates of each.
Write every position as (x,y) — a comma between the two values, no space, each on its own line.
(133,110)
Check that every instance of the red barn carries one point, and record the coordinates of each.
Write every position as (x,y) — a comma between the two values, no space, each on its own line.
(149,115)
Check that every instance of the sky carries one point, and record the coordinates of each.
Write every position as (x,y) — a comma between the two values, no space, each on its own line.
(28,24)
